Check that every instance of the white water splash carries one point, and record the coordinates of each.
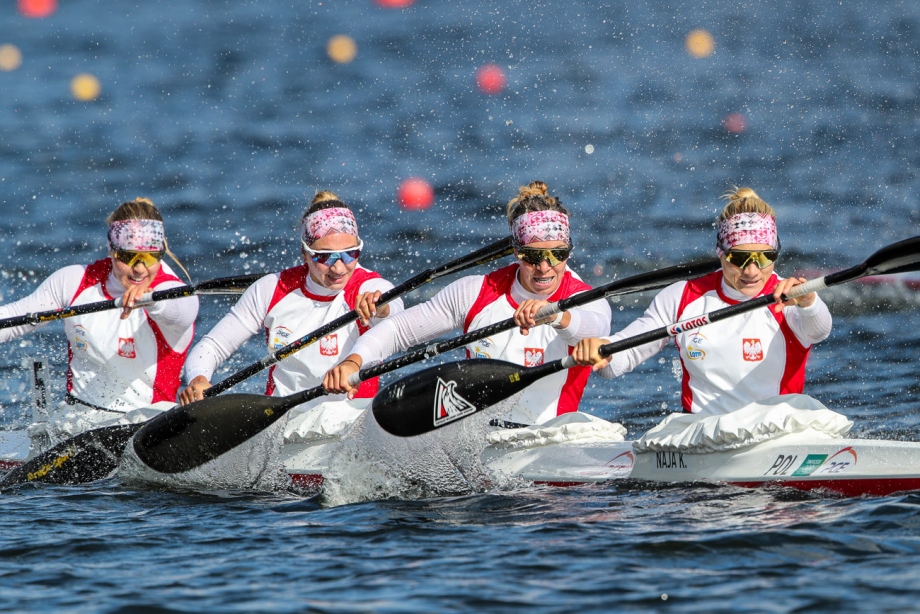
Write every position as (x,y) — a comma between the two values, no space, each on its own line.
(372,464)
(255,465)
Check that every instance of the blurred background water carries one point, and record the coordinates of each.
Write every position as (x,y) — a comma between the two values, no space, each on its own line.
(230,115)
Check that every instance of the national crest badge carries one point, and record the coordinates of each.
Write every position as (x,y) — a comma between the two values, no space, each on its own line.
(533,357)
(329,345)
(126,347)
(752,350)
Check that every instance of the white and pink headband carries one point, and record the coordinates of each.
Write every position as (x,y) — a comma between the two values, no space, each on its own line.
(744,228)
(326,222)
(137,235)
(536,226)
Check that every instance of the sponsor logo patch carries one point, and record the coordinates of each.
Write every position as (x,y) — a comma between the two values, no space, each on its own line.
(329,345)
(694,351)
(478,352)
(689,324)
(126,347)
(449,405)
(624,460)
(280,337)
(840,461)
(79,338)
(752,350)
(808,466)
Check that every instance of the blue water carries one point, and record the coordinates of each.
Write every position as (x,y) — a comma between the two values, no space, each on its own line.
(229,115)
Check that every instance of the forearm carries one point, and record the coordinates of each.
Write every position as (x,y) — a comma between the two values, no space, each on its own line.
(810,324)
(421,323)
(591,320)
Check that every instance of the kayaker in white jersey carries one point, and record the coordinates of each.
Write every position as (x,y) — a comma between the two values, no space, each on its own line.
(123,366)
(540,231)
(291,304)
(739,360)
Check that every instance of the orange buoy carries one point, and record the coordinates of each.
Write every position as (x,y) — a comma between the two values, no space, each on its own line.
(700,44)
(85,87)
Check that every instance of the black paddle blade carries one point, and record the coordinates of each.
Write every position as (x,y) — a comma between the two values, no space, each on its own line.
(88,457)
(900,257)
(187,437)
(436,397)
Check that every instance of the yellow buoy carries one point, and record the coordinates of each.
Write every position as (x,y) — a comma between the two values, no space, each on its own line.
(341,49)
(10,57)
(85,87)
(700,44)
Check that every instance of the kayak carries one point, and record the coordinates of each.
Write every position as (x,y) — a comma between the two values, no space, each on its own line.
(792,441)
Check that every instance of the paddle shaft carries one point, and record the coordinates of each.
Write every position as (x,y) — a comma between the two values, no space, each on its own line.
(496,250)
(224,285)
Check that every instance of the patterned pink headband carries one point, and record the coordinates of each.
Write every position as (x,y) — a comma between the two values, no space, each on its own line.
(137,235)
(536,226)
(326,222)
(743,228)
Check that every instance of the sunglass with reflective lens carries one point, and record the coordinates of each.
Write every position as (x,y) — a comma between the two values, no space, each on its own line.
(535,256)
(330,257)
(741,258)
(132,258)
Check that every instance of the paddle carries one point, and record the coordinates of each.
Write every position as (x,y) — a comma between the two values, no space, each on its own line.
(187,437)
(223,285)
(94,454)
(496,250)
(438,396)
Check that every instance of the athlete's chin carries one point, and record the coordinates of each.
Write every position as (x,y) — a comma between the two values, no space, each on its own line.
(336,283)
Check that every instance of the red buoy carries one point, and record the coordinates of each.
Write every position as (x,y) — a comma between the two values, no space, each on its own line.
(415,193)
(491,79)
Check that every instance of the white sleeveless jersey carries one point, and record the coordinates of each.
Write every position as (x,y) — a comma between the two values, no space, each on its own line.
(733,362)
(285,307)
(552,395)
(113,363)
(295,312)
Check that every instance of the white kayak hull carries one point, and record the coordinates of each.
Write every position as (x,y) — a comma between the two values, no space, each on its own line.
(849,467)
(805,461)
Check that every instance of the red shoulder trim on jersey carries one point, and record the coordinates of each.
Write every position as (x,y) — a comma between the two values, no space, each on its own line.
(162,277)
(696,288)
(96,273)
(289,280)
(496,284)
(570,285)
(352,289)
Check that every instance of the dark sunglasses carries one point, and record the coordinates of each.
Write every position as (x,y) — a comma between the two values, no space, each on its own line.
(534,256)
(741,258)
(131,258)
(330,257)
